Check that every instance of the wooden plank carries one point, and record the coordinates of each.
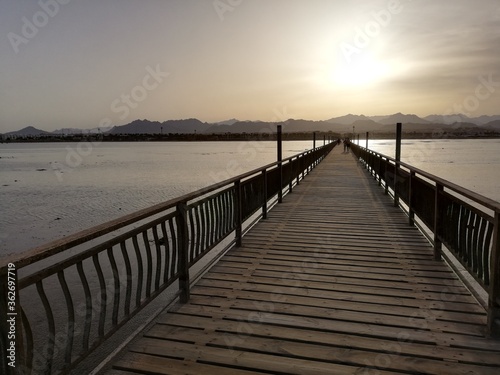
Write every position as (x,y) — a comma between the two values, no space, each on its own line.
(253,361)
(304,282)
(330,312)
(402,346)
(320,352)
(423,311)
(416,332)
(396,302)
(154,364)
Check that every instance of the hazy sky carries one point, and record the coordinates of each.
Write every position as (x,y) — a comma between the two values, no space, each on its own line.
(87,63)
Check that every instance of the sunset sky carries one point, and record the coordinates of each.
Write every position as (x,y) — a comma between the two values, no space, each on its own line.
(90,63)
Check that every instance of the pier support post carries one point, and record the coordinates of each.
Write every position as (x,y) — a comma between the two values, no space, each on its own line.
(280,166)
(264,188)
(437,224)
(183,239)
(238,215)
(411,213)
(398,159)
(494,292)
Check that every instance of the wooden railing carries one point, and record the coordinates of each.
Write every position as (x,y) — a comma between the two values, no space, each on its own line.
(71,295)
(467,223)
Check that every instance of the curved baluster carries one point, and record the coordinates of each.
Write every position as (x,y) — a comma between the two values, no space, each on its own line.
(128,268)
(158,258)
(173,265)
(198,247)
(103,294)
(220,213)
(140,271)
(206,224)
(212,223)
(486,254)
(29,339)
(203,227)
(191,236)
(71,316)
(116,294)
(149,263)
(167,251)
(474,242)
(88,305)
(51,325)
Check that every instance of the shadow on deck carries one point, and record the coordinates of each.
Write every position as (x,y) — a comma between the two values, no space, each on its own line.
(334,281)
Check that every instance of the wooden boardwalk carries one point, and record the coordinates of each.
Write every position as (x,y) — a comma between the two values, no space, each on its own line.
(333,282)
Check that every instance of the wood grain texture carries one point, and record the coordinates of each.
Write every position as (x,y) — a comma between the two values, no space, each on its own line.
(334,281)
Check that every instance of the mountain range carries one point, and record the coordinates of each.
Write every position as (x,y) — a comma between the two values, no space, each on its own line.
(343,124)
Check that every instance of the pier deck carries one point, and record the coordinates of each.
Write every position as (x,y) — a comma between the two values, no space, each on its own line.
(334,281)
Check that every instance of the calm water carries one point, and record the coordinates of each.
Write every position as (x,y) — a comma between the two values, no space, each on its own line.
(471,163)
(52,190)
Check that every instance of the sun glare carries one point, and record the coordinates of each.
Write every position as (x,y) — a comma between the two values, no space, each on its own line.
(363,72)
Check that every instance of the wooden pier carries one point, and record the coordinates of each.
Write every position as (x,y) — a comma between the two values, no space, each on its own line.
(334,281)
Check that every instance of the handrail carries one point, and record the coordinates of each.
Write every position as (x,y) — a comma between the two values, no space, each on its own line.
(471,234)
(74,293)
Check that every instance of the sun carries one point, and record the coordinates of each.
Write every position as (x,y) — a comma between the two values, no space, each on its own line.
(364,71)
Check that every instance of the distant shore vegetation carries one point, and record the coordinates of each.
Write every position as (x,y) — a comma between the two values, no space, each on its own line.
(295,136)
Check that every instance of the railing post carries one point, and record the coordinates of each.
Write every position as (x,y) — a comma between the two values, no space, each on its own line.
(290,184)
(386,190)
(183,238)
(398,159)
(264,205)
(280,166)
(411,213)
(437,223)
(299,163)
(494,292)
(367,135)
(238,214)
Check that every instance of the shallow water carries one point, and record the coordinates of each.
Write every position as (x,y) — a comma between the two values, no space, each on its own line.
(52,190)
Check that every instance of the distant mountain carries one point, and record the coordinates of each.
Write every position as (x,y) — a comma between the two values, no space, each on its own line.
(188,126)
(447,119)
(348,119)
(342,124)
(28,131)
(377,118)
(493,125)
(65,131)
(399,117)
(484,120)
(243,127)
(366,125)
(227,122)
(458,117)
